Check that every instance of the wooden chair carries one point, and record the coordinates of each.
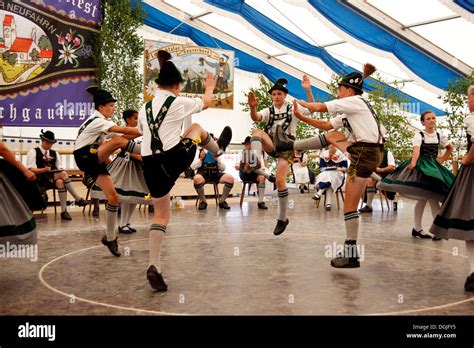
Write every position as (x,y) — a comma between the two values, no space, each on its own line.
(338,192)
(44,191)
(216,192)
(382,197)
(244,184)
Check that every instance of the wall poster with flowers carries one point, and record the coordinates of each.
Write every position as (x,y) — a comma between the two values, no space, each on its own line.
(46,62)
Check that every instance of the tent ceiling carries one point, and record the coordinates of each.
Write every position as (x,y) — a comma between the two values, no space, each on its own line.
(299,21)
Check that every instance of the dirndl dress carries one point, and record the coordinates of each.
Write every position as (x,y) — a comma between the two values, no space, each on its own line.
(428,180)
(128,179)
(456,216)
(17,224)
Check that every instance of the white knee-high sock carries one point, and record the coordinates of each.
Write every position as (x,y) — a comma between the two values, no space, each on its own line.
(351,220)
(470,253)
(111,219)
(261,192)
(419,208)
(370,195)
(62,192)
(282,204)
(157,235)
(70,188)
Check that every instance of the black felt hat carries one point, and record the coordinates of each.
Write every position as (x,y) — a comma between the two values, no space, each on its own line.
(352,80)
(355,80)
(48,136)
(169,73)
(280,85)
(100,96)
(247,140)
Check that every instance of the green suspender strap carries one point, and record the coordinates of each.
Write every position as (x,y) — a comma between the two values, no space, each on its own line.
(155,123)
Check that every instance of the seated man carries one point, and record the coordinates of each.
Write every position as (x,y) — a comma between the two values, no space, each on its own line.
(211,169)
(332,164)
(45,163)
(387,166)
(251,169)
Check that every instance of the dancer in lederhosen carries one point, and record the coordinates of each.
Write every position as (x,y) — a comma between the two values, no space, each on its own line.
(365,147)
(92,152)
(280,113)
(423,177)
(456,216)
(166,153)
(126,171)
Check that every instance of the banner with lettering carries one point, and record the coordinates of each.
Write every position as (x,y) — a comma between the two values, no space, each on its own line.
(193,62)
(46,61)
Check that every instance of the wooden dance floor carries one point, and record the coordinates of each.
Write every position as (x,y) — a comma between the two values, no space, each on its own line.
(229,262)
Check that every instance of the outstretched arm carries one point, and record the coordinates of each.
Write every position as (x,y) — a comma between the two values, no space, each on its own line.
(447,153)
(9,156)
(414,158)
(320,124)
(210,84)
(253,102)
(306,83)
(313,107)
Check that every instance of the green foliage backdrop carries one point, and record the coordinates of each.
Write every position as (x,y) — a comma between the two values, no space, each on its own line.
(117,49)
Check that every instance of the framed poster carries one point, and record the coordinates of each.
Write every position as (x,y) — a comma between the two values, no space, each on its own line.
(194,62)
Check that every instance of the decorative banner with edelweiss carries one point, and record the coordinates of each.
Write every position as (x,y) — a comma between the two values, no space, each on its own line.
(46,61)
(193,62)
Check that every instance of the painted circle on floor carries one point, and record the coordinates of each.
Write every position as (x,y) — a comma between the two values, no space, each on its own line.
(260,274)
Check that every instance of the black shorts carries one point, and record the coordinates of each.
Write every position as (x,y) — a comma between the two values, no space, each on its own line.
(210,175)
(46,180)
(87,160)
(244,176)
(162,170)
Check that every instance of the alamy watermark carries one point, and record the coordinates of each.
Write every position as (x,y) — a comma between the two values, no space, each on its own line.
(347,250)
(19,251)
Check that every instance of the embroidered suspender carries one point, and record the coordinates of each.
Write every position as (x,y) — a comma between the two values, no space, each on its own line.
(155,123)
(276,117)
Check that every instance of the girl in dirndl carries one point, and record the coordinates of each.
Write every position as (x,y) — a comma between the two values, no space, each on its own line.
(423,177)
(456,216)
(20,195)
(126,172)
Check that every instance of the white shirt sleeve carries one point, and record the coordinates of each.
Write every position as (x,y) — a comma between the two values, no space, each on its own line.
(59,164)
(105,125)
(469,124)
(265,113)
(220,165)
(186,107)
(31,159)
(417,139)
(336,122)
(390,159)
(196,164)
(303,111)
(443,140)
(349,105)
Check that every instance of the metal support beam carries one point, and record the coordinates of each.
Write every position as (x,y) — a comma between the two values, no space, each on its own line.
(200,15)
(431,21)
(333,44)
(276,55)
(237,43)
